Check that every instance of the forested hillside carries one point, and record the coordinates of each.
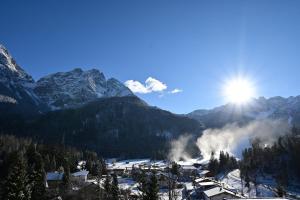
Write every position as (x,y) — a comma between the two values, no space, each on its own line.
(119,126)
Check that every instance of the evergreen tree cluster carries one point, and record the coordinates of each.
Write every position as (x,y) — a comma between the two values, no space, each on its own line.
(223,164)
(281,160)
(24,163)
(148,186)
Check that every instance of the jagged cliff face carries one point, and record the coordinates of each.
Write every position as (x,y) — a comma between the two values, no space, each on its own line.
(77,87)
(10,71)
(19,93)
(16,87)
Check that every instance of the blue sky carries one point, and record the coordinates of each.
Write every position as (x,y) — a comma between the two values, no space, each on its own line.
(189,45)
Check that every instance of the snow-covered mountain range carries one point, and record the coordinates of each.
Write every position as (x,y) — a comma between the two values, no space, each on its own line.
(73,88)
(258,109)
(18,90)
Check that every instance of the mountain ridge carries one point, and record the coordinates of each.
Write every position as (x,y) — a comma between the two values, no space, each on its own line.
(257,109)
(20,94)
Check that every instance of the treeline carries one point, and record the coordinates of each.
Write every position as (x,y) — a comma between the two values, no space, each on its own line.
(281,160)
(223,164)
(24,163)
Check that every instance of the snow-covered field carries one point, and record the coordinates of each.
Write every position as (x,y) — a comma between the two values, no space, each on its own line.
(264,189)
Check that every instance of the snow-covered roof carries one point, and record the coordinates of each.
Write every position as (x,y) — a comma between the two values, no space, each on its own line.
(203,172)
(81,173)
(216,191)
(189,186)
(81,164)
(54,176)
(205,179)
(188,167)
(210,183)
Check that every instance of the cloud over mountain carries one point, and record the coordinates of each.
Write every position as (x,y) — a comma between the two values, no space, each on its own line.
(151,85)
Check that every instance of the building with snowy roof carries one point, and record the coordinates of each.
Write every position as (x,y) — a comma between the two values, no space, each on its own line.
(219,193)
(80,175)
(53,179)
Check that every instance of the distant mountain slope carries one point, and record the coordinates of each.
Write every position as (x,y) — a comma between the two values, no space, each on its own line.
(117,126)
(273,108)
(77,87)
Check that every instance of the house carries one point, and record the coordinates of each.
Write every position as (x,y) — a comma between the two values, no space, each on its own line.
(80,175)
(203,179)
(53,179)
(219,193)
(206,185)
(187,172)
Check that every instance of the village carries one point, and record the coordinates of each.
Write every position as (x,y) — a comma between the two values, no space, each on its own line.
(191,181)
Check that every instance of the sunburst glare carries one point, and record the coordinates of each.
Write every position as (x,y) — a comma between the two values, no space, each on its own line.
(239,90)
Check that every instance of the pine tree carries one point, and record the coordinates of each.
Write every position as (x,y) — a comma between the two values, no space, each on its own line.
(152,193)
(99,176)
(213,164)
(107,187)
(115,188)
(143,185)
(66,178)
(175,169)
(15,185)
(47,163)
(37,178)
(53,166)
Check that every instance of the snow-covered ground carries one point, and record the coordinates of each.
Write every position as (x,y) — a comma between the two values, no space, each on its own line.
(126,164)
(265,188)
(127,183)
(233,180)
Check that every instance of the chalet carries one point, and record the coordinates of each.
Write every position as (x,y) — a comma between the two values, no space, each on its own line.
(203,179)
(53,179)
(80,176)
(219,193)
(206,185)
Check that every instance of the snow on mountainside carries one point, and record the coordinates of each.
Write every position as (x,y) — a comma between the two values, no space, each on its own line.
(76,87)
(261,108)
(16,87)
(19,93)
(10,70)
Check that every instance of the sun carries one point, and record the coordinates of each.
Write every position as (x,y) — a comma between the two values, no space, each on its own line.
(239,90)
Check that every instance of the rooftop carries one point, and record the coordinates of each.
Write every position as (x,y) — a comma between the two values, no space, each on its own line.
(81,173)
(54,176)
(218,190)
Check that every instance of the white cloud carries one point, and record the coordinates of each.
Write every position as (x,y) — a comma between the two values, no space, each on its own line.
(155,85)
(176,90)
(151,85)
(136,87)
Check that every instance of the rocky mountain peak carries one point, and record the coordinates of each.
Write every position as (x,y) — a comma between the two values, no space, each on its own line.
(10,70)
(60,90)
(76,87)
